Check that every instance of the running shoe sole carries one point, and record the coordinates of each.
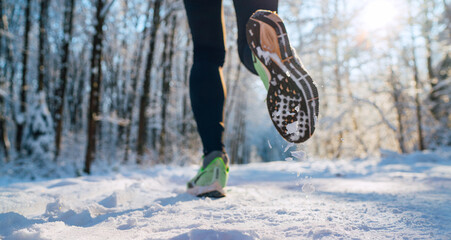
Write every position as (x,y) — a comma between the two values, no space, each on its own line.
(292,98)
(213,191)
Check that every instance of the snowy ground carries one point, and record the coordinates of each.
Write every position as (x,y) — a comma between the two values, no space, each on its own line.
(396,197)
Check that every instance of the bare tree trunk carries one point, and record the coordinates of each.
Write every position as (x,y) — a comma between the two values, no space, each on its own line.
(4,132)
(238,150)
(123,75)
(186,73)
(232,90)
(416,79)
(421,145)
(96,80)
(325,28)
(426,31)
(339,94)
(236,106)
(134,82)
(75,89)
(9,61)
(61,89)
(144,101)
(337,74)
(77,118)
(24,88)
(242,132)
(168,53)
(4,140)
(122,92)
(431,74)
(2,33)
(42,43)
(396,94)
(448,15)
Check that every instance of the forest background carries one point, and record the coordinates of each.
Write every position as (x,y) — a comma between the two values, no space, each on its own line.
(94,84)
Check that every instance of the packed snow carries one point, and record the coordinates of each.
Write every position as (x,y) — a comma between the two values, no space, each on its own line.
(391,197)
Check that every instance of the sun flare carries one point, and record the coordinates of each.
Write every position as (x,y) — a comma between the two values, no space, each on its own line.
(379,14)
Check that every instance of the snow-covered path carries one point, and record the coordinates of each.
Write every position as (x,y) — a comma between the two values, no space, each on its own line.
(396,197)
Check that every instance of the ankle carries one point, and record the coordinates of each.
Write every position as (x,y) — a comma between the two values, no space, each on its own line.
(210,156)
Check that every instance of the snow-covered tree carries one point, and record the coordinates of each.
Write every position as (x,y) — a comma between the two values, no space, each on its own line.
(39,135)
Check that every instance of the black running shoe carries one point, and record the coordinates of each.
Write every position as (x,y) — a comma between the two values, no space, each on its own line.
(292,98)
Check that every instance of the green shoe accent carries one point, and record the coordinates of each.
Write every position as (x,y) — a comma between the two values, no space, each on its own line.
(211,180)
(261,70)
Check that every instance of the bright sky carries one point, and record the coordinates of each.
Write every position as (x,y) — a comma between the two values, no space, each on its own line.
(379,14)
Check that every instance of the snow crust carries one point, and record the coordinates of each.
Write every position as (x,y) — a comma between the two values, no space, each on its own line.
(392,197)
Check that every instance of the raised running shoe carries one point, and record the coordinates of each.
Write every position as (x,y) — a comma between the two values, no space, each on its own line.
(292,98)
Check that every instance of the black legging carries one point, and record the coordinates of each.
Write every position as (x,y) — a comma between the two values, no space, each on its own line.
(207,89)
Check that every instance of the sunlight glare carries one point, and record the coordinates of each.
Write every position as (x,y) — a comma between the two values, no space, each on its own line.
(379,14)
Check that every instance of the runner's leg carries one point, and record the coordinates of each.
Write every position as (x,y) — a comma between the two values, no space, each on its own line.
(207,90)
